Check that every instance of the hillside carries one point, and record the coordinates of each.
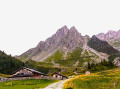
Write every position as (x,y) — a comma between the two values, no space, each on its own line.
(102,46)
(112,37)
(108,79)
(8,64)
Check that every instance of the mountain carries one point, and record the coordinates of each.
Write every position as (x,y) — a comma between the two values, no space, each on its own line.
(67,47)
(64,39)
(66,50)
(112,37)
(102,46)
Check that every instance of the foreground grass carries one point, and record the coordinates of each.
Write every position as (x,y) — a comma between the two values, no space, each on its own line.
(109,79)
(26,84)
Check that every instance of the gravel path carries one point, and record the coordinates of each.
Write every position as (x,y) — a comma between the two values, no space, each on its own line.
(58,85)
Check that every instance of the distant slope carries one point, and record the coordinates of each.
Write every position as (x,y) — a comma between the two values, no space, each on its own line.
(102,46)
(112,37)
(78,57)
(8,64)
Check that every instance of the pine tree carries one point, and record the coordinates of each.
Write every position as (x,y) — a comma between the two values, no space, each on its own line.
(89,66)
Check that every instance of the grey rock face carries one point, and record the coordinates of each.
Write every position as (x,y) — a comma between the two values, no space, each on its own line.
(68,39)
(117,61)
(109,35)
(112,37)
(102,46)
(65,39)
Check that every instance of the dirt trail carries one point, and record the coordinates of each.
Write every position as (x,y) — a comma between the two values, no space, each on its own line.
(58,85)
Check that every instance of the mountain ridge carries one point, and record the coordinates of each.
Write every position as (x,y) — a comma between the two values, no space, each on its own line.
(102,46)
(64,45)
(112,37)
(57,41)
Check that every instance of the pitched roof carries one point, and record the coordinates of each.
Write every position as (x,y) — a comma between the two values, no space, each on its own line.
(32,70)
(59,74)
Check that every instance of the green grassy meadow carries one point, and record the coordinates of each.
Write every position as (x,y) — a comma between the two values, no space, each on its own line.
(4,75)
(26,84)
(109,79)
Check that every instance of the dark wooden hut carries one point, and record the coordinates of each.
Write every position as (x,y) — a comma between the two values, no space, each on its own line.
(59,76)
(26,72)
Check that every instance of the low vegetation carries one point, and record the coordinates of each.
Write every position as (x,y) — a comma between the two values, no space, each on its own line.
(112,57)
(68,66)
(71,59)
(56,56)
(42,66)
(115,43)
(109,79)
(26,84)
(103,65)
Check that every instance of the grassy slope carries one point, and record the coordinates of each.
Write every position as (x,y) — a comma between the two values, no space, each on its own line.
(8,64)
(26,84)
(56,56)
(115,43)
(72,58)
(99,80)
(4,75)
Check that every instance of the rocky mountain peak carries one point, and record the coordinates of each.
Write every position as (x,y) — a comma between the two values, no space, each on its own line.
(62,31)
(74,30)
(109,35)
(101,36)
(112,37)
(66,41)
(94,37)
(111,31)
(64,37)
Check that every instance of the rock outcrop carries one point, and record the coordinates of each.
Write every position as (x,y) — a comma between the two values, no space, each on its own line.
(102,46)
(117,61)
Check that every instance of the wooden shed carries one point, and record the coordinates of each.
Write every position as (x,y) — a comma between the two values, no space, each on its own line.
(27,72)
(59,76)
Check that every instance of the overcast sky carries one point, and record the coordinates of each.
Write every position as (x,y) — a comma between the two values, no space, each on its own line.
(23,23)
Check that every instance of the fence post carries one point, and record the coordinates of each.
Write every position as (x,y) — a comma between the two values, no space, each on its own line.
(114,86)
(11,83)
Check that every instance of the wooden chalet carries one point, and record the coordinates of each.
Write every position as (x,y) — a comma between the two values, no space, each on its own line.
(26,72)
(59,76)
